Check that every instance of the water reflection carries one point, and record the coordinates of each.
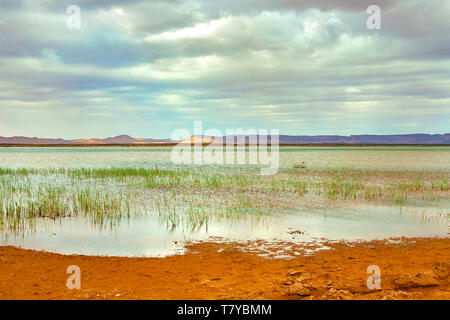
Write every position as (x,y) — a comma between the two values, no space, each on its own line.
(148,235)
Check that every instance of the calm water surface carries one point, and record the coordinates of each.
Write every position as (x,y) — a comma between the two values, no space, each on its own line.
(146,236)
(401,158)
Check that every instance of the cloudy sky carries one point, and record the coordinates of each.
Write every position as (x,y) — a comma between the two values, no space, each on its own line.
(146,68)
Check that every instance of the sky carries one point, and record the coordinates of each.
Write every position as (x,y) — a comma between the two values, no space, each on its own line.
(147,68)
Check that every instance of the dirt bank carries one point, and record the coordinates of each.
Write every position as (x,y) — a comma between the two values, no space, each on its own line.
(410,269)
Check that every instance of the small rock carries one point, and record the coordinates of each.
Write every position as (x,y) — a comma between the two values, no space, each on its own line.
(299,289)
(294,273)
(395,295)
(287,282)
(205,281)
(335,294)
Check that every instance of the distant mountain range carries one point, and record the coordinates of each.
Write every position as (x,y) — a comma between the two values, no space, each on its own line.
(122,139)
(406,139)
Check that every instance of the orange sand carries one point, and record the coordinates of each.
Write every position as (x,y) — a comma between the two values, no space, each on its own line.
(411,269)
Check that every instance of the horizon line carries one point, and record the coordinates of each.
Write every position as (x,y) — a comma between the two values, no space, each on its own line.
(244,134)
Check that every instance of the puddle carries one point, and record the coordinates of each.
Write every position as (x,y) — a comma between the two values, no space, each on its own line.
(147,236)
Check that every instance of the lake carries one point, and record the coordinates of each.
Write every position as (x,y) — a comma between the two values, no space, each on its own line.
(310,218)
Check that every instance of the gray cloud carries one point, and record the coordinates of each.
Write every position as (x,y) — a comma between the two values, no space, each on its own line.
(147,67)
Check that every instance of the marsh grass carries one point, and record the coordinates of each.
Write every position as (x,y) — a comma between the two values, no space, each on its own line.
(21,202)
(194,217)
(193,196)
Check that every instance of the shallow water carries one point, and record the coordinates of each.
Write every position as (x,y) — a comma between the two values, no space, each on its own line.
(393,158)
(147,236)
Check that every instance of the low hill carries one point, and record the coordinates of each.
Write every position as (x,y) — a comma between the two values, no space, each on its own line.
(405,139)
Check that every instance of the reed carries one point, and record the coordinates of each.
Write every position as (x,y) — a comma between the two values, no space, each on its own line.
(194,196)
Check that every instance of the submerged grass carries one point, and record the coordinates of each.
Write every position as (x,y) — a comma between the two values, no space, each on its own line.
(187,195)
(22,202)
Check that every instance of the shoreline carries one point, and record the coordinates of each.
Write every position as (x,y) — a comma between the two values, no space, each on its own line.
(165,145)
(171,144)
(411,268)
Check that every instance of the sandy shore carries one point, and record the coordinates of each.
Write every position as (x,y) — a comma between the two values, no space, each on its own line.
(410,269)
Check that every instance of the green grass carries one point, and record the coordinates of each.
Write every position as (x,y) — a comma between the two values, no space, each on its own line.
(194,196)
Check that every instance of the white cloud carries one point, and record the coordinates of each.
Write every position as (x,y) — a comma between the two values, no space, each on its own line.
(152,66)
